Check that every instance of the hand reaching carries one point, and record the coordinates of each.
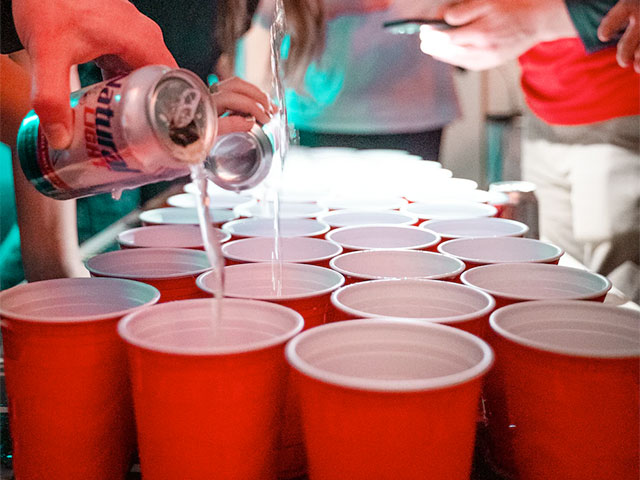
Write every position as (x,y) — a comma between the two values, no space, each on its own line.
(60,33)
(624,16)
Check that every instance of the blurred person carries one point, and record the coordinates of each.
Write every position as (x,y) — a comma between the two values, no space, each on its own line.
(59,34)
(369,88)
(581,144)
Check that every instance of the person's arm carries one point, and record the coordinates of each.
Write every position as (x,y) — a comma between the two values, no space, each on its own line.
(48,230)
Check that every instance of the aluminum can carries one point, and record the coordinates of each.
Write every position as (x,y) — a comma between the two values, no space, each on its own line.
(521,204)
(140,128)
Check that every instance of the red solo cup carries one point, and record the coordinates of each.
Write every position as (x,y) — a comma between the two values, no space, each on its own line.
(388,399)
(70,409)
(173,271)
(264,227)
(449,210)
(381,264)
(166,236)
(484,251)
(306,289)
(183,216)
(207,395)
(315,251)
(466,195)
(476,227)
(431,301)
(377,237)
(348,218)
(562,399)
(286,209)
(215,191)
(217,200)
(520,282)
(363,202)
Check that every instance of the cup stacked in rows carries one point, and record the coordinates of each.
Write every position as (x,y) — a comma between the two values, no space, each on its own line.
(405,326)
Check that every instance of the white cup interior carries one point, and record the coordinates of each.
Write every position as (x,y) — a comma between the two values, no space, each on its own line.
(428,195)
(147,263)
(264,227)
(69,300)
(536,281)
(293,249)
(190,327)
(371,237)
(286,209)
(450,210)
(260,281)
(431,300)
(571,327)
(476,227)
(167,236)
(188,200)
(389,355)
(362,202)
(501,250)
(183,216)
(347,218)
(378,264)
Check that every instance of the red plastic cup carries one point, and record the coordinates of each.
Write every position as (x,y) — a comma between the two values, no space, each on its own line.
(362,202)
(380,264)
(286,209)
(166,236)
(183,216)
(484,251)
(467,195)
(173,271)
(217,200)
(70,409)
(476,227)
(263,227)
(208,395)
(388,399)
(315,251)
(449,210)
(431,301)
(377,237)
(519,282)
(348,218)
(306,289)
(562,399)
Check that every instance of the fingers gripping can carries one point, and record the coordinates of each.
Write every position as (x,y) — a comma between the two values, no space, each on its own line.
(144,127)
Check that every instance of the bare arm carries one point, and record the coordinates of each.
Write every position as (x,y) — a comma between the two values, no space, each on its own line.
(48,231)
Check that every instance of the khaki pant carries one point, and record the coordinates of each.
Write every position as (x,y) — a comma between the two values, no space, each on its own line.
(588,189)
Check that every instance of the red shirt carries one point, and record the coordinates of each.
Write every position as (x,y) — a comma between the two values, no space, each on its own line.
(564,85)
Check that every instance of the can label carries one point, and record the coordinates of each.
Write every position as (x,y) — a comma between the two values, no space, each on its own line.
(119,142)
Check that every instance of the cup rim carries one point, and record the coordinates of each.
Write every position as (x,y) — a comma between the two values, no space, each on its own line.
(454,319)
(484,210)
(327,217)
(333,264)
(464,278)
(80,282)
(228,227)
(224,236)
(200,281)
(605,311)
(382,385)
(447,243)
(229,245)
(200,254)
(523,227)
(147,218)
(329,236)
(126,336)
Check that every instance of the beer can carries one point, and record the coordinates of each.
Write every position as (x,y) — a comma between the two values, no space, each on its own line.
(521,203)
(144,127)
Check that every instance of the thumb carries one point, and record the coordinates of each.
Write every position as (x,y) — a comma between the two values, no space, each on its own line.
(50,98)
